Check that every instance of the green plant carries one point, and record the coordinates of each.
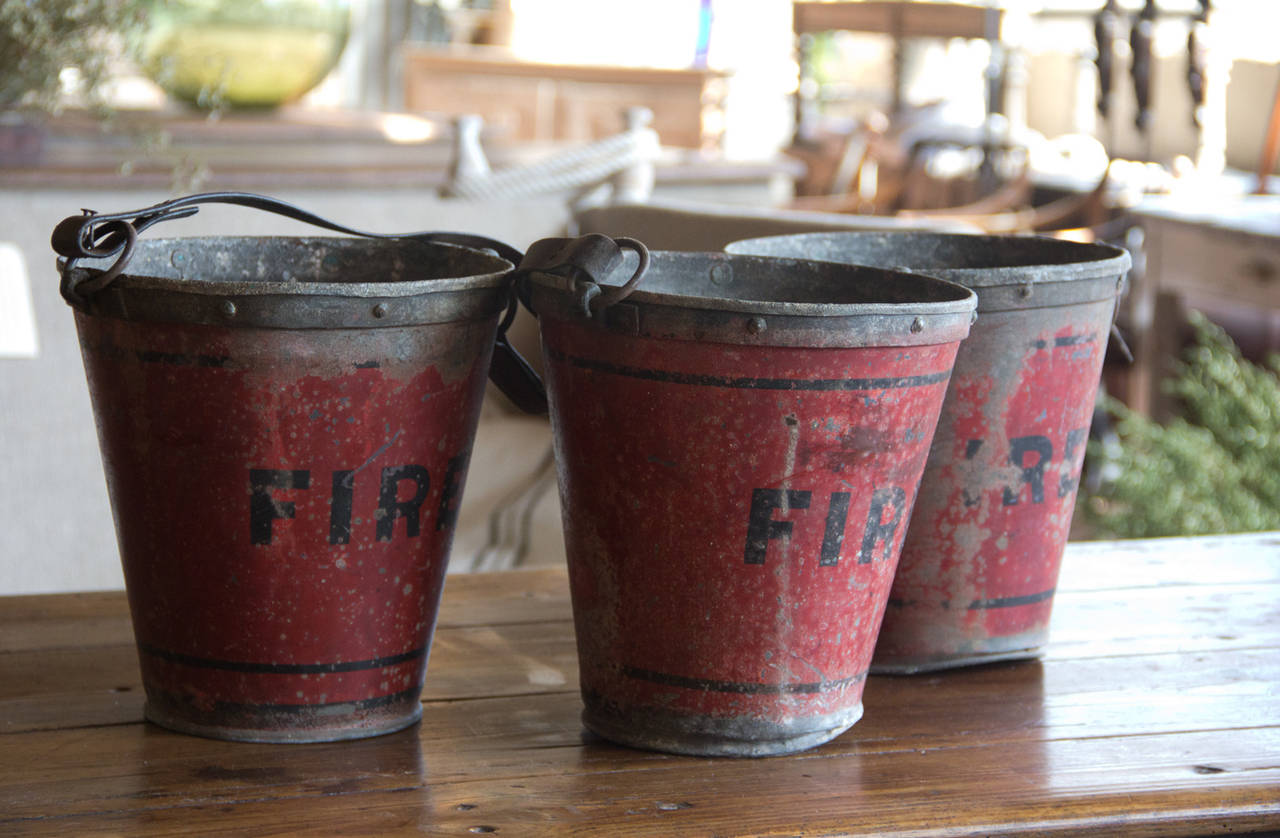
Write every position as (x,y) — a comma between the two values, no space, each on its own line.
(1214,469)
(39,39)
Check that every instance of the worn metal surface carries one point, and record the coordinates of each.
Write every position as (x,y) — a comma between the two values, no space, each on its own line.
(286,282)
(717,298)
(285,467)
(980,564)
(735,502)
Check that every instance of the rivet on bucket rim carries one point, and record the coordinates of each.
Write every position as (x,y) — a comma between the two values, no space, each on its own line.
(466,283)
(917,325)
(1008,272)
(778,302)
(380,310)
(228,309)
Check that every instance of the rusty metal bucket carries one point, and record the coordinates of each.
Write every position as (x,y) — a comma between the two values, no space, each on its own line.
(981,558)
(739,443)
(285,426)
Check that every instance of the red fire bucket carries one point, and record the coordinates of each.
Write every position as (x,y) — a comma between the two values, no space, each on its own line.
(739,443)
(981,559)
(285,425)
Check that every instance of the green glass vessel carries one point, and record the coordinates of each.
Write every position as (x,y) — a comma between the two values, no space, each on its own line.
(242,53)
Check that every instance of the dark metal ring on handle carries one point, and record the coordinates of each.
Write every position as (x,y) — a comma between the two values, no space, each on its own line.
(610,296)
(592,297)
(75,292)
(584,262)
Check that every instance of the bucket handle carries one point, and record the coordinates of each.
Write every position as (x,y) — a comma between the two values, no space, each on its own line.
(585,260)
(94,235)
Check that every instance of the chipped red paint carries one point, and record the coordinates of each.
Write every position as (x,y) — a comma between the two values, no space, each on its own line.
(977,574)
(981,558)
(733,517)
(284,502)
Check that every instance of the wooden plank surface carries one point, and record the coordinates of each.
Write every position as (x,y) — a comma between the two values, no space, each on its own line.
(900,20)
(1154,711)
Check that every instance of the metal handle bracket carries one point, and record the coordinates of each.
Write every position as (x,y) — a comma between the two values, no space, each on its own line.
(587,260)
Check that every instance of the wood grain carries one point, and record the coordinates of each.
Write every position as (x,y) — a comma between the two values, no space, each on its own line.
(1154,711)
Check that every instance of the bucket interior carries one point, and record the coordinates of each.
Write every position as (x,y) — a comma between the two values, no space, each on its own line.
(973,260)
(282,260)
(680,277)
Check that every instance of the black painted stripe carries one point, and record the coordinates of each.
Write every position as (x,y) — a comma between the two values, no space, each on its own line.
(1011,601)
(280,668)
(710,685)
(235,708)
(980,604)
(179,359)
(1066,340)
(749,383)
(359,704)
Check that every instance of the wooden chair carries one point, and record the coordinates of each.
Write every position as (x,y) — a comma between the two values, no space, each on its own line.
(1010,211)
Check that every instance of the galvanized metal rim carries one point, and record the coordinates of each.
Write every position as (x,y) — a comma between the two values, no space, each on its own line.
(495,277)
(962,303)
(913,666)
(1085,273)
(353,291)
(347,726)
(672,731)
(277,303)
(729,319)
(1090,260)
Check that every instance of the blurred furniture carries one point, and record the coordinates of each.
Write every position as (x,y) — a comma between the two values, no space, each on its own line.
(1154,710)
(896,19)
(1011,210)
(911,158)
(1270,147)
(621,164)
(1220,255)
(179,150)
(833,164)
(908,163)
(666,224)
(528,101)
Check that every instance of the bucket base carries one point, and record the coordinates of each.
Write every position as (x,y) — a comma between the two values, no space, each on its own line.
(714,737)
(913,666)
(326,723)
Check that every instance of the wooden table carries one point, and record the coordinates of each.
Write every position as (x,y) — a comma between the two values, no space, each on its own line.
(1155,711)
